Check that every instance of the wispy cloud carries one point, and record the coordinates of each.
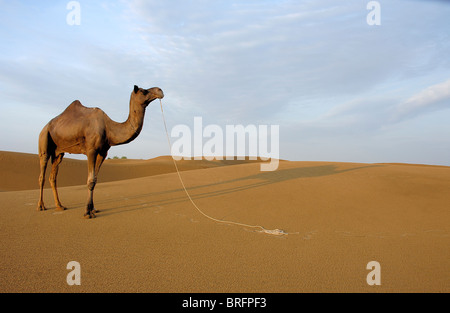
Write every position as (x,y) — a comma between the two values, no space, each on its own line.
(430,99)
(251,60)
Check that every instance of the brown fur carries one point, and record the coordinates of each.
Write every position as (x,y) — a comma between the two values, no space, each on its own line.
(89,131)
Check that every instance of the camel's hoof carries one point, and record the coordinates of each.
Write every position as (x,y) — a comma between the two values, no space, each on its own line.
(60,208)
(89,215)
(41,207)
(95,211)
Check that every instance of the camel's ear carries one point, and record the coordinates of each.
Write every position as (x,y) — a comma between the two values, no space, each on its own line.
(136,88)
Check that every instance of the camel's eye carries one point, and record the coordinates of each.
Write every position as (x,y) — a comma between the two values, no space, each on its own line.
(145,91)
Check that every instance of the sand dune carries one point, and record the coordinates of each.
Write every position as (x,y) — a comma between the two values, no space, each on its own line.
(149,238)
(20,171)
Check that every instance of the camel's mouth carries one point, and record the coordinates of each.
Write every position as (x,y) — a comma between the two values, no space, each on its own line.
(149,94)
(159,94)
(153,97)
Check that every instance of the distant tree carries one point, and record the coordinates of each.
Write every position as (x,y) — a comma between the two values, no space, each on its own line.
(124,157)
(115,157)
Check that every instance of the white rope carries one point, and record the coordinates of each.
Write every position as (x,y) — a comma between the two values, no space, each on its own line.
(277,232)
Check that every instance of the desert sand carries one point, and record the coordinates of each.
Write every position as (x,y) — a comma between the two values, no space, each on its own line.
(149,237)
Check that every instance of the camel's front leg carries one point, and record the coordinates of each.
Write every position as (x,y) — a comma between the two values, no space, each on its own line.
(98,163)
(91,181)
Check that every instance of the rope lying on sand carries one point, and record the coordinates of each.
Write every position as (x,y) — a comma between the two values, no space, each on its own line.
(277,232)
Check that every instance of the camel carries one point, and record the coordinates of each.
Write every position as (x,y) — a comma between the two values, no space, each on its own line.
(88,131)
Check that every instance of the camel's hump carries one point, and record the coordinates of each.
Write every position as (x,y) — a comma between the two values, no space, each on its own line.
(77,106)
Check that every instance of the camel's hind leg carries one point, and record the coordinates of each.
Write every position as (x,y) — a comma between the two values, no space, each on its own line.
(43,160)
(46,149)
(55,165)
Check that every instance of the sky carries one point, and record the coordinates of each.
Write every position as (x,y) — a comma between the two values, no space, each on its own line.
(339,89)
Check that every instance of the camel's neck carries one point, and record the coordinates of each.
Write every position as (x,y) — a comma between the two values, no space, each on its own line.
(121,133)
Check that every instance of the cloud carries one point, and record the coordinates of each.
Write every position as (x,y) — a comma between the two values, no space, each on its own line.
(239,60)
(435,97)
(376,113)
(249,61)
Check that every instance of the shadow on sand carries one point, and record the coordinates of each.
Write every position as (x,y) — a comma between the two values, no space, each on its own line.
(252,181)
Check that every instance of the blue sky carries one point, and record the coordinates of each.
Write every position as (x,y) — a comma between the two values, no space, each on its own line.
(340,89)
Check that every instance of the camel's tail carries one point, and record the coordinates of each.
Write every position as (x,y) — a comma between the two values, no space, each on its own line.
(46,145)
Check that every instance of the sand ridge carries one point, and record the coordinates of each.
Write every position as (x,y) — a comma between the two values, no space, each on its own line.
(20,171)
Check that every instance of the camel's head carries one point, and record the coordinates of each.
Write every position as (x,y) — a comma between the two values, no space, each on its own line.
(145,96)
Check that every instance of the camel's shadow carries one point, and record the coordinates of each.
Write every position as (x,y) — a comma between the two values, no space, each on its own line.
(110,207)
